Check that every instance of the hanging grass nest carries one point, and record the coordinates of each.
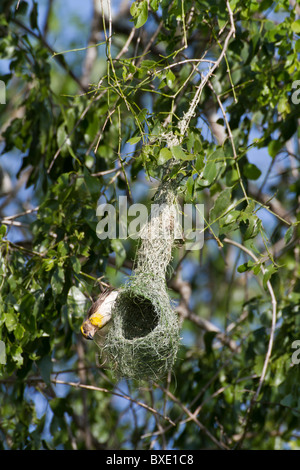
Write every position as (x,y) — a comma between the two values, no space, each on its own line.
(143,339)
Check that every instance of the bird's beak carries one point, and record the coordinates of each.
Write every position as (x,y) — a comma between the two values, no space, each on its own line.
(85,334)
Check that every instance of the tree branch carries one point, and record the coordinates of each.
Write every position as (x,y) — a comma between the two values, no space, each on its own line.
(121,395)
(58,57)
(272,332)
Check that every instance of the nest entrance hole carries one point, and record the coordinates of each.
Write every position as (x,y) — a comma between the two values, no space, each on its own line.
(139,317)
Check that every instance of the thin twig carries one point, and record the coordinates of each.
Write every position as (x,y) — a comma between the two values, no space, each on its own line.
(121,395)
(272,331)
(126,45)
(22,248)
(21,214)
(185,121)
(150,42)
(219,444)
(13,223)
(57,57)
(187,61)
(235,156)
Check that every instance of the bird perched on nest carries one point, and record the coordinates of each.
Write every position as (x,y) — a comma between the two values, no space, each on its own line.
(99,313)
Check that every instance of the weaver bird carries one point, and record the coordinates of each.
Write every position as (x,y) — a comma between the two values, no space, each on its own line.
(99,313)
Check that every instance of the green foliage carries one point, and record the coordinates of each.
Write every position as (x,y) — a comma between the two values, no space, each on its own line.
(120,131)
(139,11)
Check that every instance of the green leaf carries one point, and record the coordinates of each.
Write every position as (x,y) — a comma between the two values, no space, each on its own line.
(154,4)
(60,406)
(62,248)
(164,155)
(72,153)
(231,177)
(48,264)
(133,140)
(209,174)
(221,204)
(93,184)
(251,171)
(199,164)
(296,26)
(229,394)
(269,270)
(19,332)
(57,280)
(178,153)
(259,363)
(189,189)
(170,78)
(289,234)
(139,12)
(16,354)
(249,225)
(120,252)
(231,217)
(245,267)
(219,156)
(10,320)
(209,336)
(214,165)
(142,115)
(2,231)
(45,367)
(76,302)
(284,106)
(256,269)
(287,400)
(70,119)
(76,266)
(33,16)
(274,147)
(62,139)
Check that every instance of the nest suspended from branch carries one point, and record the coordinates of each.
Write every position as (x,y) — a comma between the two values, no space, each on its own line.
(143,339)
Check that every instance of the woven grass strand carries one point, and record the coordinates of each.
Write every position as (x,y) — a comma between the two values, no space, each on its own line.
(143,339)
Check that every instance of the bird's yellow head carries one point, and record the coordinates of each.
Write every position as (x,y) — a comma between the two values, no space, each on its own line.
(88,330)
